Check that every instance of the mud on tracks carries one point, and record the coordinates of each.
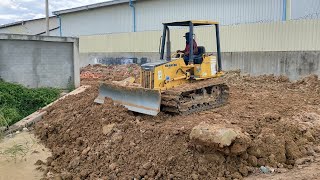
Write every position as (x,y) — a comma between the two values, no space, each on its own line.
(90,141)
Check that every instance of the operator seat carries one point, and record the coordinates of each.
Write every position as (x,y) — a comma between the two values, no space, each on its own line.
(198,58)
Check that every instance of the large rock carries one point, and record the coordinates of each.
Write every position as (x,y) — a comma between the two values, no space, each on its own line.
(218,137)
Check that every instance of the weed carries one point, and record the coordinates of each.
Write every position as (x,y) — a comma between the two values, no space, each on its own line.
(70,86)
(1,135)
(15,151)
(3,120)
(17,102)
(3,124)
(130,70)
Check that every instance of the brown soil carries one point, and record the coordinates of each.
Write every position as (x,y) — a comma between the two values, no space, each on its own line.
(92,74)
(91,141)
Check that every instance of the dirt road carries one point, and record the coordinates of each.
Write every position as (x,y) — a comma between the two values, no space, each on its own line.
(28,151)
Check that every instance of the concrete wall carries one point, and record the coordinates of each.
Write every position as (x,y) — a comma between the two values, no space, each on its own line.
(39,61)
(294,64)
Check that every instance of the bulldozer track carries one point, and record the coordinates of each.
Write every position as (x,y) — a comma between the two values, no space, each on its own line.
(195,96)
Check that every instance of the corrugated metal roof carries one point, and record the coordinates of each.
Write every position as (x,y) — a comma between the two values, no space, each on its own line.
(91,6)
(21,22)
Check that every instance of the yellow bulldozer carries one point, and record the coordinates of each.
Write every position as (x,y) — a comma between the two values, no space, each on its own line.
(173,84)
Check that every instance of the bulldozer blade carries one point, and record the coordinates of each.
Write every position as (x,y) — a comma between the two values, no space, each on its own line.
(145,101)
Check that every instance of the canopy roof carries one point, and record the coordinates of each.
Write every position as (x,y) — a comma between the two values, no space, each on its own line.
(194,22)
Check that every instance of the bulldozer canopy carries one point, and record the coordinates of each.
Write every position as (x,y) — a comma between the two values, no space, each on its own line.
(194,22)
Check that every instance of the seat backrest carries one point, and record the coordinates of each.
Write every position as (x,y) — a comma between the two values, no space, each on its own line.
(201,50)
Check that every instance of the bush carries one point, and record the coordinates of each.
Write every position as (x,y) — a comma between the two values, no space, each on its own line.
(17,102)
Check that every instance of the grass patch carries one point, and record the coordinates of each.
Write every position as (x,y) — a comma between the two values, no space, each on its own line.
(17,101)
(17,150)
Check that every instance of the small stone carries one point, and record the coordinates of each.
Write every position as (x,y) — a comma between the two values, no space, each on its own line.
(261,162)
(147,165)
(25,129)
(138,119)
(49,161)
(63,94)
(142,172)
(243,170)
(17,132)
(236,175)
(175,132)
(252,169)
(84,173)
(271,170)
(117,137)
(290,162)
(58,177)
(108,129)
(244,156)
(281,170)
(253,161)
(264,170)
(113,166)
(308,135)
(292,150)
(49,174)
(317,149)
(304,160)
(195,176)
(73,163)
(310,151)
(39,162)
(66,176)
(86,150)
(272,159)
(171,176)
(220,178)
(279,165)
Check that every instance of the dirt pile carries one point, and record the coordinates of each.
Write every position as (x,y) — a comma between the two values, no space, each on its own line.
(98,72)
(279,120)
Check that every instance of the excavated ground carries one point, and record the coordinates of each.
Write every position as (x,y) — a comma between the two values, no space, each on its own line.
(91,141)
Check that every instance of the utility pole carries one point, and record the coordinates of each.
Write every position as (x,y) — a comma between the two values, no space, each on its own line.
(47,18)
(288,10)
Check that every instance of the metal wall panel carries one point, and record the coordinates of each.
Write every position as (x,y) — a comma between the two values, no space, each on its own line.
(306,9)
(113,19)
(32,27)
(302,35)
(150,14)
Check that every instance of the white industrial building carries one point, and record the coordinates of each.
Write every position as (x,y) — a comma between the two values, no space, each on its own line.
(32,27)
(145,15)
(119,16)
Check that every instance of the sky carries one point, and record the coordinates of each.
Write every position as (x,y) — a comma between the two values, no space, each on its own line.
(17,10)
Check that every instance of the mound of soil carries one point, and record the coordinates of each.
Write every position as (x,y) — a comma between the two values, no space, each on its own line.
(280,120)
(91,74)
